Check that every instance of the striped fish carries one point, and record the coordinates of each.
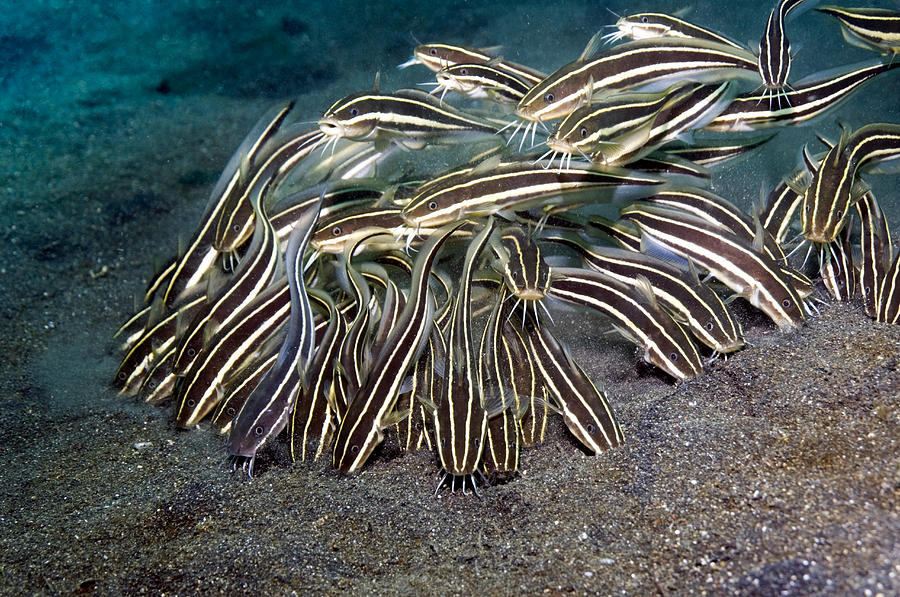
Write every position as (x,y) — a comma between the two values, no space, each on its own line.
(647,25)
(775,51)
(439,56)
(835,187)
(155,340)
(310,425)
(280,156)
(519,185)
(807,100)
(719,211)
(875,252)
(779,207)
(662,61)
(482,81)
(710,154)
(635,314)
(735,263)
(201,389)
(584,407)
(267,409)
(837,268)
(889,295)
(226,301)
(408,117)
(869,28)
(524,270)
(531,402)
(460,422)
(614,120)
(680,293)
(692,108)
(361,428)
(501,452)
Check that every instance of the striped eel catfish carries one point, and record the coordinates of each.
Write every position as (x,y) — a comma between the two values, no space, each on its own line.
(227,300)
(584,407)
(647,25)
(279,156)
(482,81)
(520,185)
(718,210)
(267,409)
(693,108)
(460,421)
(875,251)
(621,232)
(807,100)
(889,295)
(712,154)
(681,293)
(154,341)
(526,274)
(531,403)
(779,207)
(837,269)
(775,50)
(869,28)
(613,120)
(333,233)
(200,390)
(738,265)
(310,424)
(336,198)
(361,427)
(835,188)
(662,61)
(635,314)
(409,117)
(439,56)
(501,452)
(241,385)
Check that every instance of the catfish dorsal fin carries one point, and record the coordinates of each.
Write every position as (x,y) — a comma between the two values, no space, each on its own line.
(759,236)
(377,83)
(809,160)
(492,51)
(646,290)
(592,46)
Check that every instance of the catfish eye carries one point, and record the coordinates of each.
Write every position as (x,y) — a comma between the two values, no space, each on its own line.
(230,411)
(840,213)
(590,428)
(432,205)
(190,403)
(674,356)
(583,132)
(258,431)
(464,71)
(548,98)
(476,441)
(786,303)
(645,20)
(152,384)
(433,52)
(236,228)
(354,111)
(121,375)
(354,449)
(336,231)
(514,275)
(709,326)
(191,352)
(807,208)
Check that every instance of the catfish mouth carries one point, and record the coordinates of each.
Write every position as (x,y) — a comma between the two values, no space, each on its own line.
(331,127)
(529,294)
